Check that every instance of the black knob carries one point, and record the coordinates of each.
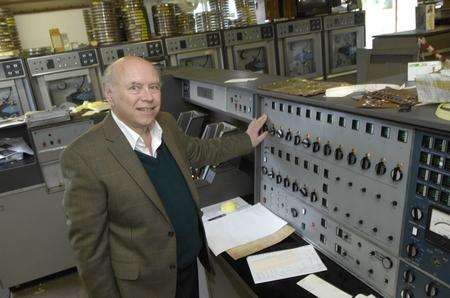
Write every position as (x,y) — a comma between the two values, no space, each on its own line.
(316,147)
(397,174)
(297,140)
(295,187)
(288,136)
(406,293)
(387,263)
(264,170)
(327,149)
(338,178)
(408,276)
(360,221)
(375,229)
(306,142)
(431,289)
(411,251)
(363,189)
(350,184)
(365,163)
(347,215)
(394,203)
(272,130)
(335,209)
(416,213)
(378,196)
(351,158)
(380,168)
(286,182)
(313,196)
(280,133)
(370,271)
(294,212)
(390,237)
(304,191)
(265,127)
(271,174)
(279,179)
(338,154)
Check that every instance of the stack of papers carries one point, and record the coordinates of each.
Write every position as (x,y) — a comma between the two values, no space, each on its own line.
(241,227)
(285,264)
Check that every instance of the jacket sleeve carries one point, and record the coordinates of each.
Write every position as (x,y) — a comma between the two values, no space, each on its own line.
(85,206)
(201,152)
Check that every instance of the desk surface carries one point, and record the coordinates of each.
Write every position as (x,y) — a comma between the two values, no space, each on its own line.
(285,288)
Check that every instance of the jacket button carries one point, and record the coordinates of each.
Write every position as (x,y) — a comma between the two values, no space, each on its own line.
(172,267)
(170,234)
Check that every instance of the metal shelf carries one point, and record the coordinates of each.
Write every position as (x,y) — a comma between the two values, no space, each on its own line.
(28,6)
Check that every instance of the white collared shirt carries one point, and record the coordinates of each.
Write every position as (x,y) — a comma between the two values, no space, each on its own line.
(136,141)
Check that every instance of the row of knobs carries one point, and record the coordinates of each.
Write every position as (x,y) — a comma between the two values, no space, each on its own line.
(313,196)
(431,289)
(380,167)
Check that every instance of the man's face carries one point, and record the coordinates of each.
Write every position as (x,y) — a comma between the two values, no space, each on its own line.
(134,93)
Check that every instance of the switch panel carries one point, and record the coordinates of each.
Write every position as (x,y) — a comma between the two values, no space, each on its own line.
(346,160)
(240,103)
(362,258)
(249,34)
(11,69)
(188,43)
(61,62)
(413,282)
(207,95)
(426,239)
(149,49)
(342,20)
(293,28)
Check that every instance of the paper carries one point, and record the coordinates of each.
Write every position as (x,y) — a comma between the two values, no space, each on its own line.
(216,209)
(347,90)
(241,227)
(285,264)
(321,288)
(260,244)
(243,80)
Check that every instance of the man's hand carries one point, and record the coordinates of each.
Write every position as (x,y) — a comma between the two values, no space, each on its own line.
(254,128)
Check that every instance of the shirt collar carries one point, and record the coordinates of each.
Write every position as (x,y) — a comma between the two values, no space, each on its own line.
(136,141)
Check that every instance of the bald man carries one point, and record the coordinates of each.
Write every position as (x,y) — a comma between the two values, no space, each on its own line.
(130,201)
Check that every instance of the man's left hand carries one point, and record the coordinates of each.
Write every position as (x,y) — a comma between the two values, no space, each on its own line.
(254,128)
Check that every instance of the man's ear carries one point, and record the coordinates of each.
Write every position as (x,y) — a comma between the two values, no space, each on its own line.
(108,95)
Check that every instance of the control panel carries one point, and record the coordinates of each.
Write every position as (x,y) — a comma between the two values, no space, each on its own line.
(61,62)
(426,239)
(189,43)
(50,141)
(362,258)
(248,34)
(336,21)
(11,69)
(297,27)
(240,103)
(413,282)
(350,171)
(149,49)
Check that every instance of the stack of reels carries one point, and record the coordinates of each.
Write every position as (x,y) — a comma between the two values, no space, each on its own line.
(135,20)
(165,19)
(9,38)
(185,23)
(221,8)
(103,22)
(246,13)
(206,21)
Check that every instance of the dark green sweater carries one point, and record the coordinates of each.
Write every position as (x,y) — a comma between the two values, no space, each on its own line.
(173,190)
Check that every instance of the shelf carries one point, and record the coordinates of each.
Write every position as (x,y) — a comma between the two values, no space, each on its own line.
(27,6)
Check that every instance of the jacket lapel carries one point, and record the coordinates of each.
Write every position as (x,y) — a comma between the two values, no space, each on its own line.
(127,158)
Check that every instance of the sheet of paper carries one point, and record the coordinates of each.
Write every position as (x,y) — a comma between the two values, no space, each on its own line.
(241,227)
(347,90)
(242,80)
(215,210)
(321,288)
(285,264)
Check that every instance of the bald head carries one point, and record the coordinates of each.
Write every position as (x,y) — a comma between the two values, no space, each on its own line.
(110,77)
(132,87)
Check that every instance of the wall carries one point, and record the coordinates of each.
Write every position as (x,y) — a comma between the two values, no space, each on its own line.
(33,28)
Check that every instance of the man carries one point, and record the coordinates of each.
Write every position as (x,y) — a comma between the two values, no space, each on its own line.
(130,200)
